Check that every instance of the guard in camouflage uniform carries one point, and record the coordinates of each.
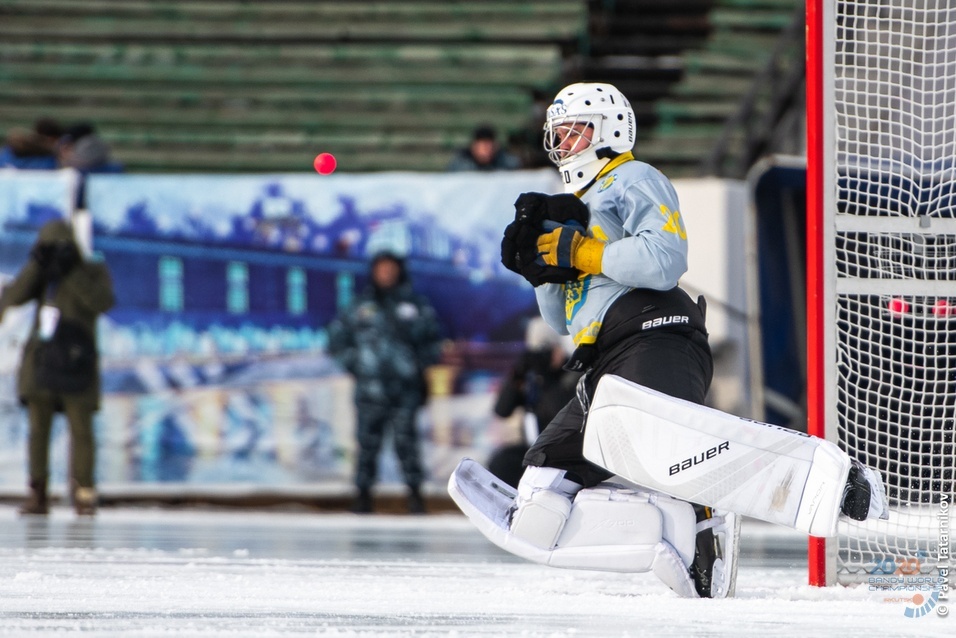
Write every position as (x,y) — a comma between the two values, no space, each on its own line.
(59,371)
(386,339)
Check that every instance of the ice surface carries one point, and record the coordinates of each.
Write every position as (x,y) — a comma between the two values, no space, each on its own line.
(150,572)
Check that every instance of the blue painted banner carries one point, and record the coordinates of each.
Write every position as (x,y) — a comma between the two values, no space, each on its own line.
(214,362)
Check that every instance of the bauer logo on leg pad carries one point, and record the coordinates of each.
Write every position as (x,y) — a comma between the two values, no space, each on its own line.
(706,455)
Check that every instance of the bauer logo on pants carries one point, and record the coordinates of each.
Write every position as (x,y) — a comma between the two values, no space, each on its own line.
(665,321)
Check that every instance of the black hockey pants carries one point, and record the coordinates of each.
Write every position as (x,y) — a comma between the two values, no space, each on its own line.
(676,361)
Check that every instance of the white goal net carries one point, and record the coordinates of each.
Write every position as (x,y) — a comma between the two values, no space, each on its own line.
(887,174)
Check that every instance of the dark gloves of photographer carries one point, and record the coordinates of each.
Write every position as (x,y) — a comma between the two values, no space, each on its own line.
(56,260)
(519,246)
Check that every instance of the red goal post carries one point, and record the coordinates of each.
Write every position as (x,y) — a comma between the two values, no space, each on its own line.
(881,270)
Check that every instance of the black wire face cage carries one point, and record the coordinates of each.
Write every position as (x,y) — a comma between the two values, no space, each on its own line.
(557,132)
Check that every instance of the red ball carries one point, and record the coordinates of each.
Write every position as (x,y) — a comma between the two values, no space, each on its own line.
(942,308)
(324,163)
(898,307)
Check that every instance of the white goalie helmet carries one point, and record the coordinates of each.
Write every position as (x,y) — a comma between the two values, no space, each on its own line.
(586,126)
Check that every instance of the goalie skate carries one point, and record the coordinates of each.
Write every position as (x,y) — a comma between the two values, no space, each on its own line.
(714,569)
(864,496)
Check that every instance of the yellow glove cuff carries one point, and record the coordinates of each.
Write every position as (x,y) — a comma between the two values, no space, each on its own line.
(586,254)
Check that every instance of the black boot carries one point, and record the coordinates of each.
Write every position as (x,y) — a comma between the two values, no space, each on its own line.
(416,504)
(363,502)
(36,503)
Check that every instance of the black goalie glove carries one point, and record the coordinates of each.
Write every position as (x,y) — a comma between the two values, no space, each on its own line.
(519,246)
(523,231)
(567,209)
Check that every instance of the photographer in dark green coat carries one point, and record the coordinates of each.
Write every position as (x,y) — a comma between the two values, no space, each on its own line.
(59,371)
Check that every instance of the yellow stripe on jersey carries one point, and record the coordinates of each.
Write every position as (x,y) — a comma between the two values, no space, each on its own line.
(587,336)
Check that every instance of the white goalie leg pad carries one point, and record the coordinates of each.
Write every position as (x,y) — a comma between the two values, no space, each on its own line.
(680,523)
(701,455)
(540,519)
(611,528)
(610,531)
(543,506)
(616,515)
(489,503)
(606,529)
(821,507)
(819,510)
(669,567)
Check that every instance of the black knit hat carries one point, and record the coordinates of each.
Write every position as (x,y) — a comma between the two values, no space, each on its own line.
(484,132)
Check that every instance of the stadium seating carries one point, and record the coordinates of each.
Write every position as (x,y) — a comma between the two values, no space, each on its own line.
(181,85)
(716,79)
(685,64)
(236,86)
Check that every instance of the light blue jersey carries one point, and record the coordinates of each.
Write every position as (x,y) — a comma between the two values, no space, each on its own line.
(634,209)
